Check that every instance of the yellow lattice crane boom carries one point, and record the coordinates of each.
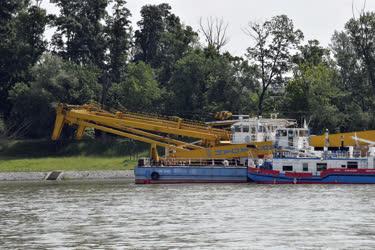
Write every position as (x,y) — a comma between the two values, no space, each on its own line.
(165,132)
(359,138)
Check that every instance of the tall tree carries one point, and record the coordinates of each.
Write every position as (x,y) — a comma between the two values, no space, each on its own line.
(87,35)
(161,39)
(189,85)
(118,30)
(54,80)
(118,34)
(21,44)
(311,53)
(358,103)
(152,25)
(353,74)
(361,33)
(176,42)
(313,95)
(272,53)
(204,83)
(138,91)
(79,36)
(354,51)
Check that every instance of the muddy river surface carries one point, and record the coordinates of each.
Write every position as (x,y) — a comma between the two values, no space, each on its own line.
(118,215)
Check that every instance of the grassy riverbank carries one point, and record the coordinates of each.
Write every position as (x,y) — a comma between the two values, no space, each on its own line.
(44,155)
(73,163)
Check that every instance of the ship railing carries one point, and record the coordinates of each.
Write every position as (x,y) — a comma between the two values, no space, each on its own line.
(345,154)
(200,162)
(337,154)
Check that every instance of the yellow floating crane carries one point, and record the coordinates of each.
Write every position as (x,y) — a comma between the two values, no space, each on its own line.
(359,138)
(180,138)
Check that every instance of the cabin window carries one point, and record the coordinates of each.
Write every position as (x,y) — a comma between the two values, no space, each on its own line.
(282,132)
(237,128)
(262,129)
(343,166)
(352,164)
(287,168)
(321,166)
(290,133)
(305,166)
(253,130)
(303,133)
(245,129)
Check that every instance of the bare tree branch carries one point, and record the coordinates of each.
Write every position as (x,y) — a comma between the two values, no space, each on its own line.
(215,32)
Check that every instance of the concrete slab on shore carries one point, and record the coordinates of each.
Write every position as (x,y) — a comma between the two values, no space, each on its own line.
(68,175)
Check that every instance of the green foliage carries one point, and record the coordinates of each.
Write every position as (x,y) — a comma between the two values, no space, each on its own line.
(86,34)
(118,31)
(313,95)
(353,49)
(204,83)
(162,39)
(80,33)
(87,147)
(118,43)
(21,44)
(2,127)
(311,54)
(175,43)
(361,33)
(162,68)
(189,84)
(30,25)
(151,26)
(138,92)
(272,53)
(53,81)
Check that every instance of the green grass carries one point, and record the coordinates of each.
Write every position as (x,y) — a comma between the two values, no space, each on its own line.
(73,163)
(69,155)
(89,147)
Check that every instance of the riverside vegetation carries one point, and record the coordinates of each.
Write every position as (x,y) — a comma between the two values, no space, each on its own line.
(22,156)
(162,66)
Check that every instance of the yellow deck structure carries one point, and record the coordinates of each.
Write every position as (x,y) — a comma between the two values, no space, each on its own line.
(360,138)
(180,138)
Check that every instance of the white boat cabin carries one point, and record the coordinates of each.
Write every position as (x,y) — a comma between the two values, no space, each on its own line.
(293,162)
(293,138)
(258,129)
(316,165)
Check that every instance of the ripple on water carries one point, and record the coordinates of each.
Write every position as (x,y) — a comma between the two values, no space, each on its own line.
(124,215)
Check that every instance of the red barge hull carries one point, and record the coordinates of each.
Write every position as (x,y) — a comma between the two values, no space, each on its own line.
(329,176)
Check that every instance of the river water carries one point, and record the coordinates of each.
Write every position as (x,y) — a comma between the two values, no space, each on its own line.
(117,215)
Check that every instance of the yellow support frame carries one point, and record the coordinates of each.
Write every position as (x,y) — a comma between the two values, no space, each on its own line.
(149,130)
(343,139)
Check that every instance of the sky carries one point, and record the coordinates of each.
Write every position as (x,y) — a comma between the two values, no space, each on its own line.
(318,19)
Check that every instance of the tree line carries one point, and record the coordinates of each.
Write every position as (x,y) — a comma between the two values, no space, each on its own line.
(160,66)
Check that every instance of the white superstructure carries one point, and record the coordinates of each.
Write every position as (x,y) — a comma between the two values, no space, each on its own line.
(292,138)
(316,165)
(248,130)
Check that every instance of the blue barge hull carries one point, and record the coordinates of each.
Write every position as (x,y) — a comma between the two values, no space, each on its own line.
(189,174)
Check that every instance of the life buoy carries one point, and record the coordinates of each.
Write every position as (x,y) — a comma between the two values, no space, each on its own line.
(155,176)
